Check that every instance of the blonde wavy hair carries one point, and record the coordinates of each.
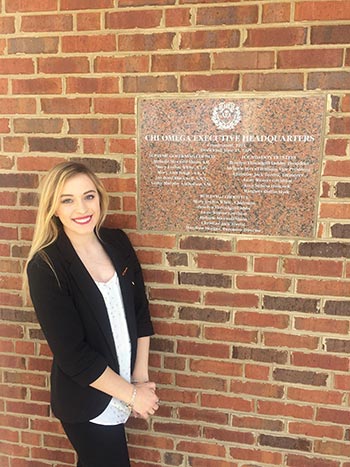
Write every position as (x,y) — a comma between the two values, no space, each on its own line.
(47,224)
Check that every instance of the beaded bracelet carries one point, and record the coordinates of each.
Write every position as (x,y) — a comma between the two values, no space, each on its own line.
(130,405)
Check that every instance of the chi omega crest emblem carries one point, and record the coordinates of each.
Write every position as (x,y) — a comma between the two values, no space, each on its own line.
(226,115)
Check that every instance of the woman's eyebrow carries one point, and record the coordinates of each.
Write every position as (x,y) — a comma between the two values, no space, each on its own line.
(85,193)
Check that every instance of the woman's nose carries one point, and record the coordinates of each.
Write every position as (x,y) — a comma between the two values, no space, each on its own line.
(81,206)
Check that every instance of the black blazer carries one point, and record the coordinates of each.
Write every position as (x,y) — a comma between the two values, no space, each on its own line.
(74,319)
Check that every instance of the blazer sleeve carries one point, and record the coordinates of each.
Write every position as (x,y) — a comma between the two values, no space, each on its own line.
(143,318)
(61,324)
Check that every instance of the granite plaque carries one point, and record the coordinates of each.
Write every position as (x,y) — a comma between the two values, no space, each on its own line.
(248,165)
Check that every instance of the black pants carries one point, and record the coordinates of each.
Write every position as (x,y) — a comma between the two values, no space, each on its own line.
(98,445)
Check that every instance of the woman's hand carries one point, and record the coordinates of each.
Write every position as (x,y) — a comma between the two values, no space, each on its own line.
(146,400)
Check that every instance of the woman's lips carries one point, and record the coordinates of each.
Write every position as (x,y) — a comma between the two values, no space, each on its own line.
(82,220)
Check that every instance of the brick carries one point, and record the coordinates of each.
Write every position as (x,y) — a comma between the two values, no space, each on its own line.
(273,82)
(260,355)
(17,216)
(114,105)
(278,36)
(209,39)
(297,461)
(312,360)
(37,86)
(266,264)
(87,44)
(212,82)
(340,125)
(345,102)
(337,308)
(276,13)
(158,276)
(263,283)
(203,314)
(316,431)
(264,246)
(140,84)
(152,240)
(330,34)
(231,403)
(177,259)
(337,345)
(33,45)
(4,125)
(38,125)
(85,4)
(175,295)
(177,429)
(63,65)
(63,105)
(122,146)
(181,62)
(332,288)
(176,17)
(7,25)
(16,66)
(319,267)
(291,340)
(133,19)
(274,458)
(128,64)
(243,60)
(203,350)
(227,15)
(285,409)
(65,145)
(16,6)
(205,280)
(327,10)
(336,147)
(231,335)
(46,23)
(94,146)
(332,415)
(211,449)
(203,243)
(88,21)
(325,58)
(198,462)
(211,261)
(13,144)
(342,190)
(258,389)
(26,105)
(145,42)
(107,85)
(335,211)
(93,126)
(284,442)
(322,325)
(189,413)
(258,319)
(19,180)
(4,84)
(35,163)
(200,382)
(330,80)
(324,249)
(216,367)
(230,436)
(240,300)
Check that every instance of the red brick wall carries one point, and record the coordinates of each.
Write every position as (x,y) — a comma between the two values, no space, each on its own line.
(253,374)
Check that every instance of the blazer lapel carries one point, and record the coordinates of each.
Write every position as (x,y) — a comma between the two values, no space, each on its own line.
(88,288)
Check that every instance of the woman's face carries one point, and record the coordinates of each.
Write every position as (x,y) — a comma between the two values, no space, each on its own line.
(79,205)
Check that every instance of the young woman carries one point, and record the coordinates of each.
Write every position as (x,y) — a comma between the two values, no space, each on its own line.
(87,289)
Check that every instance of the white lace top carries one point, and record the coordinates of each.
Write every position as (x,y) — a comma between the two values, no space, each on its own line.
(116,412)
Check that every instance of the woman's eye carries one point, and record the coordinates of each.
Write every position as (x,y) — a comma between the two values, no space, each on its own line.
(90,197)
(66,201)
